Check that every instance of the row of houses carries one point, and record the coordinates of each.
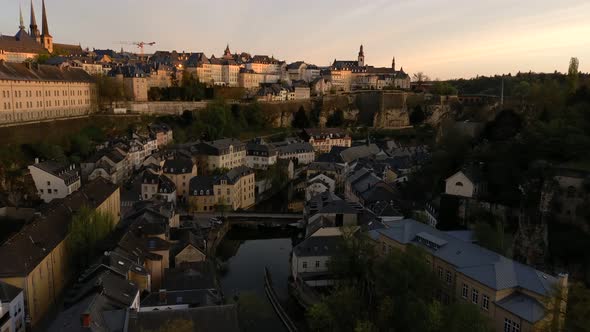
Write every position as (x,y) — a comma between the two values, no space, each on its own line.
(516,297)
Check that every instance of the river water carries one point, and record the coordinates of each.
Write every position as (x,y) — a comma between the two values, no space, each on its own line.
(244,253)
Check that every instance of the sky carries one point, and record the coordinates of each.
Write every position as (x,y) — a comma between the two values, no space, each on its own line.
(442,38)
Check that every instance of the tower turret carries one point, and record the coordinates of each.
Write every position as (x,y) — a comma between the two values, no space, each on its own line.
(393,63)
(46,38)
(34,30)
(361,58)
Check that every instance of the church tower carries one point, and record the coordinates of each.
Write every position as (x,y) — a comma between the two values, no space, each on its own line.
(361,59)
(393,63)
(46,38)
(34,31)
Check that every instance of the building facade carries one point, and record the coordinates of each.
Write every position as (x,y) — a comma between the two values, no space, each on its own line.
(31,92)
(235,189)
(55,180)
(511,294)
(225,153)
(37,259)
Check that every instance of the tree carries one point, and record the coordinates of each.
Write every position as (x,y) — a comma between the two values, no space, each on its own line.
(336,119)
(420,78)
(466,317)
(87,228)
(443,89)
(573,75)
(300,120)
(110,89)
(417,116)
(578,308)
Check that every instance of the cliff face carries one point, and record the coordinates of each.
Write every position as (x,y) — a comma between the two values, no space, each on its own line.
(372,108)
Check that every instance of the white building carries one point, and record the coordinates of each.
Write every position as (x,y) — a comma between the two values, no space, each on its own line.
(12,308)
(319,184)
(464,183)
(310,259)
(153,184)
(260,156)
(302,152)
(54,180)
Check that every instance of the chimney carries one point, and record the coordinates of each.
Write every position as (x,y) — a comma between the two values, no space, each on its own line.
(162,296)
(86,320)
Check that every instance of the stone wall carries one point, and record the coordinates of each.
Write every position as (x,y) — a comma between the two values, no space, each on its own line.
(161,107)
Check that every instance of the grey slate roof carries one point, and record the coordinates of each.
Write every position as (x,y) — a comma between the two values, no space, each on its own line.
(523,306)
(178,166)
(485,266)
(315,246)
(360,151)
(32,72)
(213,318)
(193,297)
(8,292)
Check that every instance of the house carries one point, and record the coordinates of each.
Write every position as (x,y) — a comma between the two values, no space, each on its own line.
(337,213)
(260,155)
(110,164)
(319,184)
(96,304)
(224,153)
(302,152)
(465,183)
(189,249)
(153,184)
(180,171)
(134,79)
(235,189)
(37,260)
(163,134)
(54,180)
(321,86)
(511,294)
(301,90)
(12,308)
(323,139)
(310,258)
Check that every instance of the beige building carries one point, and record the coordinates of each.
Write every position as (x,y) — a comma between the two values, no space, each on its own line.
(511,294)
(225,153)
(30,92)
(324,139)
(235,189)
(357,75)
(180,171)
(37,259)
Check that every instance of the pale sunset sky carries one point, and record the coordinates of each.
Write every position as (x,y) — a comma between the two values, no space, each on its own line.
(444,39)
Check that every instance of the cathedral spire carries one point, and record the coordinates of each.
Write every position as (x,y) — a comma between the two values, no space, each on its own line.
(45,25)
(34,31)
(22,21)
(361,52)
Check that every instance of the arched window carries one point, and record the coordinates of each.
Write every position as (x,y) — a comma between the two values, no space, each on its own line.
(459,184)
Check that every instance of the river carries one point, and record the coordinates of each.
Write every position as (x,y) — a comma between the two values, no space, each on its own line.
(244,253)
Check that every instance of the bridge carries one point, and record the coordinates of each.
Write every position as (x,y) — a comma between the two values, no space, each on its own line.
(256,218)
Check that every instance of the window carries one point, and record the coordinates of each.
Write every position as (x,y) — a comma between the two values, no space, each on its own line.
(49,191)
(485,302)
(459,184)
(304,265)
(317,264)
(449,277)
(465,291)
(475,296)
(440,272)
(511,326)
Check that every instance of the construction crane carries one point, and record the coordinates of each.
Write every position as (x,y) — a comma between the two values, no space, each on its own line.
(140,45)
